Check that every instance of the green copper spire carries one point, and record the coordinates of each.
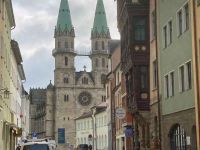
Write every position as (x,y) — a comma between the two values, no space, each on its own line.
(100,22)
(64,18)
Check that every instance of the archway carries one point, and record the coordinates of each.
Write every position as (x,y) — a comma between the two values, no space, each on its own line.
(178,138)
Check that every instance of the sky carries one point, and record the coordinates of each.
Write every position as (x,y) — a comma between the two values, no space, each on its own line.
(35,24)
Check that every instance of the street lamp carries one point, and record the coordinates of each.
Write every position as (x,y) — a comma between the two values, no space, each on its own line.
(5,92)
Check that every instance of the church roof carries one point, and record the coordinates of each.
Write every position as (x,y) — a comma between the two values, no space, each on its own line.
(64,17)
(100,22)
(50,86)
(85,115)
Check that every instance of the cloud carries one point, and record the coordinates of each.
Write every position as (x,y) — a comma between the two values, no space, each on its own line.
(35,23)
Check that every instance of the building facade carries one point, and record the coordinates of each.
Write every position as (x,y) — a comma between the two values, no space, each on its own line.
(155,109)
(11,77)
(92,128)
(176,75)
(133,24)
(37,118)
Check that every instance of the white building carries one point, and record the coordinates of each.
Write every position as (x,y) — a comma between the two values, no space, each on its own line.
(92,128)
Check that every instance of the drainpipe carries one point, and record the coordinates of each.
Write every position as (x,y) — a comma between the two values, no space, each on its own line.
(158,79)
(196,74)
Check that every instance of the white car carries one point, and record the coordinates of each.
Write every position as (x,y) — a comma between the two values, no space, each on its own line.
(40,144)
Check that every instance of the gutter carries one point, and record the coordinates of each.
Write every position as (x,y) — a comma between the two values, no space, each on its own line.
(158,77)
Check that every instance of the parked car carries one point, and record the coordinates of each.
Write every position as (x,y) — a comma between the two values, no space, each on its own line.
(39,144)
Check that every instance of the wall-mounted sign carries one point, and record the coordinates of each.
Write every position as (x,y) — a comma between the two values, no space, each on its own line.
(120,113)
(61,135)
(129,132)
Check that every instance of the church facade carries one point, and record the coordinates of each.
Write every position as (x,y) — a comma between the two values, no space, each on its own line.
(74,93)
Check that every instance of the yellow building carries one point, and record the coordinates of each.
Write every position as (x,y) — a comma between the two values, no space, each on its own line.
(7,119)
(196,62)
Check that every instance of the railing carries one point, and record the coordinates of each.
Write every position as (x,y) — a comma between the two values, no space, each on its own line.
(80,52)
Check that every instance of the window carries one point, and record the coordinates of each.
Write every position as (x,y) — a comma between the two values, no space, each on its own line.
(3,9)
(139,29)
(178,138)
(66,61)
(144,77)
(165,36)
(72,44)
(103,62)
(97,62)
(84,80)
(171,92)
(153,25)
(0,5)
(186,15)
(198,2)
(189,75)
(58,44)
(66,44)
(180,22)
(103,45)
(66,98)
(96,45)
(66,80)
(154,74)
(166,86)
(181,79)
(170,31)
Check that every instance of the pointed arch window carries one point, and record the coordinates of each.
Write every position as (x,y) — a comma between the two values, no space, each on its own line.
(66,80)
(84,80)
(72,44)
(66,61)
(96,45)
(66,98)
(97,62)
(103,45)
(66,44)
(58,44)
(103,62)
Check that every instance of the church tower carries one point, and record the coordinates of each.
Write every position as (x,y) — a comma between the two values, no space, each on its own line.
(100,37)
(64,77)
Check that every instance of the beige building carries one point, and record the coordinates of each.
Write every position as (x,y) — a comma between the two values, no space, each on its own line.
(11,77)
(92,128)
(154,89)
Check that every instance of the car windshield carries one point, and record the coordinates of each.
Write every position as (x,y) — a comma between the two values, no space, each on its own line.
(36,147)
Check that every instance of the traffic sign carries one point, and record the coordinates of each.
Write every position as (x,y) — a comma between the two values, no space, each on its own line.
(120,113)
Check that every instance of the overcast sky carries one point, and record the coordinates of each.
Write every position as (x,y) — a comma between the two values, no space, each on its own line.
(35,23)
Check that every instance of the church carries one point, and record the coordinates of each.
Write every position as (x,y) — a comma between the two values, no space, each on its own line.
(74,93)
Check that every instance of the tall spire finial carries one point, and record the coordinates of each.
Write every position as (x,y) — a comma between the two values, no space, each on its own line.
(100,22)
(64,17)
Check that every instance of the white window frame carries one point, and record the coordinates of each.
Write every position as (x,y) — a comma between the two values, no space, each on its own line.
(184,16)
(181,88)
(163,36)
(171,92)
(177,22)
(186,75)
(166,85)
(168,30)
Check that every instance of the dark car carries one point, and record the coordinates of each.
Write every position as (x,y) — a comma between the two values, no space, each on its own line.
(83,147)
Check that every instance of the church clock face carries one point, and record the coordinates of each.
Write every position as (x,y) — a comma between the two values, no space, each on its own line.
(85,98)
